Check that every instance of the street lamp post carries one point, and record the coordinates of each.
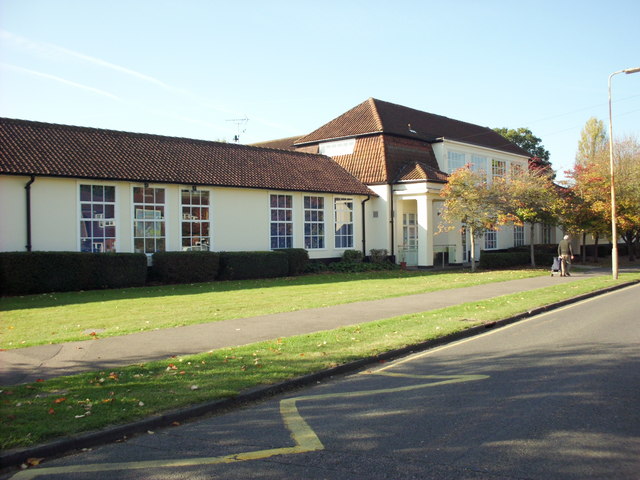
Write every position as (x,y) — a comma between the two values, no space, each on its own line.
(614,229)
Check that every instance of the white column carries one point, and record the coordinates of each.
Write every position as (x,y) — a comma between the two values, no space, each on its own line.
(425,231)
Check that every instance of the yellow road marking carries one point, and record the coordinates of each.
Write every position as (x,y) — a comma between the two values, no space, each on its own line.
(302,434)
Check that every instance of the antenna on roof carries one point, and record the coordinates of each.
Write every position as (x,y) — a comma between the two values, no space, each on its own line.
(240,123)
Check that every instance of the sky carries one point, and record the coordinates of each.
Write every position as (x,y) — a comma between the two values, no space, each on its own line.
(199,68)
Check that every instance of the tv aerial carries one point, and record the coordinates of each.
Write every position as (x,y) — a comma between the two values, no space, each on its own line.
(240,127)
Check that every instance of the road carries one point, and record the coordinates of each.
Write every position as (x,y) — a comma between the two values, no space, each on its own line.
(556,396)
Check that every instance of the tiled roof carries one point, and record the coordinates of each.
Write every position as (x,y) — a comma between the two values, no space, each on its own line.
(34,148)
(375,115)
(280,144)
(421,172)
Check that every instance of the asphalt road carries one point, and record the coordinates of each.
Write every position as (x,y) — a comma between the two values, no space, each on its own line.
(553,397)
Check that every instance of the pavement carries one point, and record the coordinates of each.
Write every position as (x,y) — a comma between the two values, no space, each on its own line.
(26,365)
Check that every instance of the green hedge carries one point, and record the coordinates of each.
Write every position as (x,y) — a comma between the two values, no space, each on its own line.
(506,259)
(185,267)
(298,260)
(40,272)
(241,265)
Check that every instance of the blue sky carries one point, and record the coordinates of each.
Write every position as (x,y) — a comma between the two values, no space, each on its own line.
(188,68)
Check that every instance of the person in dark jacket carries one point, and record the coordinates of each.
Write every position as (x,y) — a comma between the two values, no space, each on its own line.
(565,252)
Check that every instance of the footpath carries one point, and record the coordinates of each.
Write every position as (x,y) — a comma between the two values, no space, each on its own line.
(25,365)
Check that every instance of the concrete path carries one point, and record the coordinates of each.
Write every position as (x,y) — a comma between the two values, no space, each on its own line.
(47,361)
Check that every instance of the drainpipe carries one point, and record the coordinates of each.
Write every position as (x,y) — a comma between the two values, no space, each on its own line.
(27,187)
(364,232)
(391,222)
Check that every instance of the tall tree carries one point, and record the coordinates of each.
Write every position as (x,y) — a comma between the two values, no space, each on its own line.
(593,141)
(469,200)
(525,139)
(528,198)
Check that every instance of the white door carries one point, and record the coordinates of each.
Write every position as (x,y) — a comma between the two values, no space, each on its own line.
(409,239)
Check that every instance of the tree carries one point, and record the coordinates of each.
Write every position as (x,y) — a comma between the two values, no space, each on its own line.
(531,198)
(471,201)
(525,139)
(593,141)
(592,184)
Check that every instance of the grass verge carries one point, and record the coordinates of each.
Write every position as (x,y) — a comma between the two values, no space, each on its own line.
(72,316)
(37,412)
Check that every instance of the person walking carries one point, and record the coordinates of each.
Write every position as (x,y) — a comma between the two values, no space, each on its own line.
(565,252)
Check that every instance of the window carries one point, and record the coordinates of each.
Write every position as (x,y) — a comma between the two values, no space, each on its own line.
(281,221)
(195,220)
(518,235)
(463,242)
(343,209)
(490,239)
(148,220)
(498,168)
(547,233)
(455,161)
(479,164)
(97,218)
(313,222)
(516,170)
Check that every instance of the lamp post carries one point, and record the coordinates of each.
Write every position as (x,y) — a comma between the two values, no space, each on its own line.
(614,229)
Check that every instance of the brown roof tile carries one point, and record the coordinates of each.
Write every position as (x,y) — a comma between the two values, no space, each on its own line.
(375,115)
(34,148)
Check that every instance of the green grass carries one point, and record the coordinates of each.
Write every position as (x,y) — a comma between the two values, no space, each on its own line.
(41,411)
(72,316)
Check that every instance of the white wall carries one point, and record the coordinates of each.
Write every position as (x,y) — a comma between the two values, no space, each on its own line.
(239,218)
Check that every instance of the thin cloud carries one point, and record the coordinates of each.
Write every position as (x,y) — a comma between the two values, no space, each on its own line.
(60,80)
(49,49)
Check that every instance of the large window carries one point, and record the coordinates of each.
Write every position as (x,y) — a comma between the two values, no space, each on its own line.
(195,220)
(97,218)
(455,160)
(518,235)
(149,220)
(490,239)
(343,210)
(281,221)
(479,163)
(498,168)
(313,222)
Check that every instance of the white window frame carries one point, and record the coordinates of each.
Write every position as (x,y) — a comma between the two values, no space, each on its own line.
(498,168)
(491,239)
(343,223)
(102,217)
(314,222)
(455,160)
(280,221)
(149,218)
(195,221)
(518,235)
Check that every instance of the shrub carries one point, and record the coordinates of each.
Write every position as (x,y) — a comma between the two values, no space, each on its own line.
(298,259)
(241,265)
(378,255)
(185,267)
(41,272)
(354,267)
(352,256)
(513,258)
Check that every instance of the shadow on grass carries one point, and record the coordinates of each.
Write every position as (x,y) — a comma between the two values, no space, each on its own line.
(47,300)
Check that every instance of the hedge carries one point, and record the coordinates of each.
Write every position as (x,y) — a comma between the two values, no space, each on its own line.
(506,259)
(242,265)
(42,272)
(185,267)
(298,260)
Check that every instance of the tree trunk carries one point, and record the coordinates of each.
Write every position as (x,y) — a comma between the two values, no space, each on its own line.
(533,255)
(595,253)
(584,247)
(473,249)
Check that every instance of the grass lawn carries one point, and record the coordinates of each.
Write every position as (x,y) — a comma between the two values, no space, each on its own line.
(34,413)
(71,316)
